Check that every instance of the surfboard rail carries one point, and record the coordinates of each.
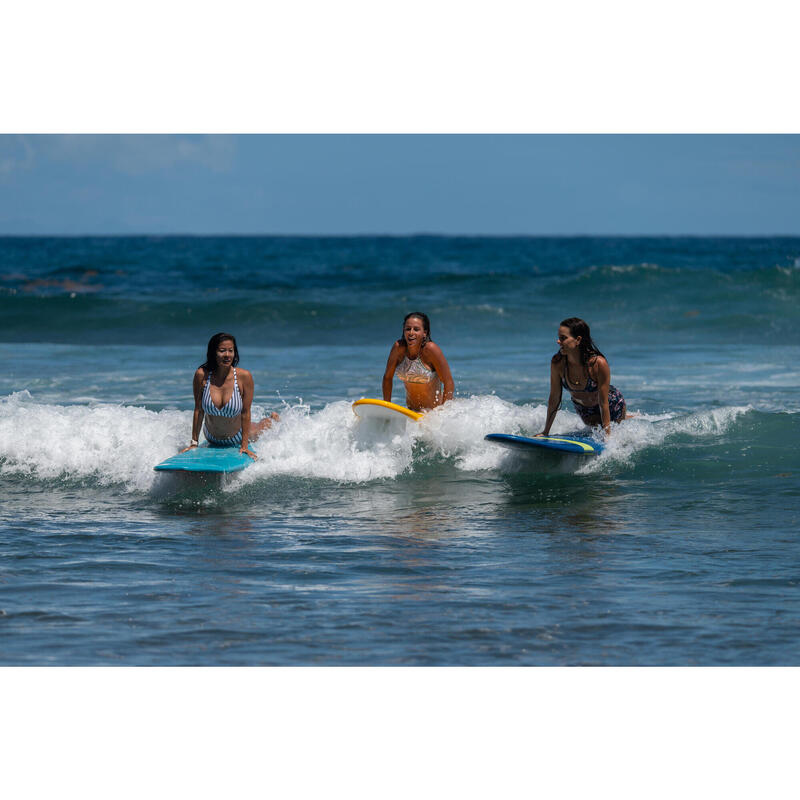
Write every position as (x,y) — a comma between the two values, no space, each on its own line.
(370,407)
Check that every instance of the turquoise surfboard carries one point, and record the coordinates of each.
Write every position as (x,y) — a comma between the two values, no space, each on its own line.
(206,459)
(563,444)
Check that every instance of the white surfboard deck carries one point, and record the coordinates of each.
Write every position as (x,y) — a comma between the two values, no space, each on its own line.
(370,408)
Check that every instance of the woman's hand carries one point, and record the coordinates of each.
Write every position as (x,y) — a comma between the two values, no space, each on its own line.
(249,453)
(190,447)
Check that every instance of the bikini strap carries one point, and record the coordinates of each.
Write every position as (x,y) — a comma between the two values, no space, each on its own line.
(591,363)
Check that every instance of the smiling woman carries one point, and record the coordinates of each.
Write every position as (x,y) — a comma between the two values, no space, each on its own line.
(420,364)
(581,369)
(222,399)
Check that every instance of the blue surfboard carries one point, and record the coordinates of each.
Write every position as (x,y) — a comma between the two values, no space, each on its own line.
(207,459)
(563,444)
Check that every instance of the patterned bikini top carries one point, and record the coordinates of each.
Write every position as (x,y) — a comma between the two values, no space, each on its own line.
(590,389)
(591,384)
(415,371)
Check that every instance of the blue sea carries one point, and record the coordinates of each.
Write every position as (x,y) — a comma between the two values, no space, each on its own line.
(421,545)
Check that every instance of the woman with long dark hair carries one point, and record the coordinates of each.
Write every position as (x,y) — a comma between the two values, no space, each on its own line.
(420,364)
(222,398)
(581,369)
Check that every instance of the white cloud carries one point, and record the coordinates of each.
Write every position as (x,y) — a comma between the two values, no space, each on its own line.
(138,154)
(16,154)
(135,154)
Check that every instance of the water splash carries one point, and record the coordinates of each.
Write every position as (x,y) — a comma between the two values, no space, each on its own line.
(110,444)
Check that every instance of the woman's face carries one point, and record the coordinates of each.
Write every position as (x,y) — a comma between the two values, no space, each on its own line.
(567,343)
(413,331)
(225,353)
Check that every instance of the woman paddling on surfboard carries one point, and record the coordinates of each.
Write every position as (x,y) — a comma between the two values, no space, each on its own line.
(420,364)
(581,369)
(222,398)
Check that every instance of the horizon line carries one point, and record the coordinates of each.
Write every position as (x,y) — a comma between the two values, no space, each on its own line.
(177,235)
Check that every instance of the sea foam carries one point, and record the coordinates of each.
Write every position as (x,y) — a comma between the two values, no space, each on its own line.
(119,445)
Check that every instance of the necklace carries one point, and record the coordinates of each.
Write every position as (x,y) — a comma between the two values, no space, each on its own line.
(569,380)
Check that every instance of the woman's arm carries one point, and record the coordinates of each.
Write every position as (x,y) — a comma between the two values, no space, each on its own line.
(554,400)
(248,388)
(435,356)
(602,377)
(388,375)
(198,415)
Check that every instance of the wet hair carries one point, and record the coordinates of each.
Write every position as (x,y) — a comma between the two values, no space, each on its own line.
(577,327)
(211,354)
(426,326)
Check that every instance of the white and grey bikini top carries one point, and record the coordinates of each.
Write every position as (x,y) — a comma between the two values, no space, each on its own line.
(415,371)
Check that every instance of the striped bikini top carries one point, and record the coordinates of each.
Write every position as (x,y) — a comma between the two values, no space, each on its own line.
(231,409)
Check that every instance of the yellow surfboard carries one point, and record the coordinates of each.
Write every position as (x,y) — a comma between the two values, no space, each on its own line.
(370,408)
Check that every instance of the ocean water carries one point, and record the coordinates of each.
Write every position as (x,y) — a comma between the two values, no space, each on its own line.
(424,545)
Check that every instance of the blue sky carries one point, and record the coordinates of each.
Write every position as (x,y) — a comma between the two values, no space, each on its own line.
(400,184)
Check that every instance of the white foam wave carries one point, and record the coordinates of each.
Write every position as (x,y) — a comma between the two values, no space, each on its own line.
(626,269)
(330,444)
(334,444)
(115,444)
(456,430)
(653,430)
(108,443)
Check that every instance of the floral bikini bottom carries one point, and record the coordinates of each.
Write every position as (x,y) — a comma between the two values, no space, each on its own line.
(616,407)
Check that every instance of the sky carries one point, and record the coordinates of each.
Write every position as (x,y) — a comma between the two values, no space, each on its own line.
(400,184)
